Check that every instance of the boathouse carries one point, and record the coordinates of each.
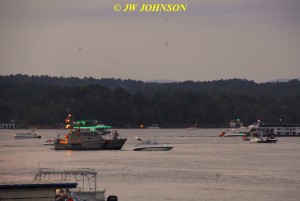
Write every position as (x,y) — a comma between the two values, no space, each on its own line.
(32,190)
(235,123)
(7,125)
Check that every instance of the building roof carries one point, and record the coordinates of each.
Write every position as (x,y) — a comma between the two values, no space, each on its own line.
(39,184)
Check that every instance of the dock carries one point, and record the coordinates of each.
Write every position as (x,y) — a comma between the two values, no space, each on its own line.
(32,190)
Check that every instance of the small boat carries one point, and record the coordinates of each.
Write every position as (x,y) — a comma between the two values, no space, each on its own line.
(151,145)
(236,123)
(234,133)
(262,138)
(32,134)
(153,126)
(193,127)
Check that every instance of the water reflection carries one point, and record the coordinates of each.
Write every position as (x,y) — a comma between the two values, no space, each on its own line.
(202,166)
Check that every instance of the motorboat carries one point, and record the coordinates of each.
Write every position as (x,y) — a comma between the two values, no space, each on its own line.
(236,123)
(262,138)
(31,134)
(153,126)
(234,133)
(151,145)
(193,127)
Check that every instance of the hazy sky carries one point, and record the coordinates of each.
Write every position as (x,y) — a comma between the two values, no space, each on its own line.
(214,39)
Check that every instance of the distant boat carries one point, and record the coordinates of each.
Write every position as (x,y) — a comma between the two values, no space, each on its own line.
(154,126)
(151,145)
(193,127)
(32,134)
(262,138)
(236,123)
(234,133)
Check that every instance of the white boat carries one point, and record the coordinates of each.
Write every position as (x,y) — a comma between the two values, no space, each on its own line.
(32,134)
(192,127)
(153,126)
(262,138)
(234,133)
(151,145)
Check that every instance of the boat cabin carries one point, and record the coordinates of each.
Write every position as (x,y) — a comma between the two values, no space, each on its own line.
(277,129)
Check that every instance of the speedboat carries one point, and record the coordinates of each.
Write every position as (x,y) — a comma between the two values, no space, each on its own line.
(193,127)
(262,138)
(32,134)
(234,133)
(151,145)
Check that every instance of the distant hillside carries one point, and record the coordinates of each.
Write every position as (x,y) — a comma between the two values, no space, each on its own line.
(161,81)
(45,100)
(283,80)
(228,86)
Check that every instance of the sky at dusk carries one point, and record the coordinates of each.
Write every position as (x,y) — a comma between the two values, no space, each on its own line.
(213,39)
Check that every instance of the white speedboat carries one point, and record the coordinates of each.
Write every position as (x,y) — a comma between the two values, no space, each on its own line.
(151,145)
(262,138)
(32,134)
(191,128)
(234,133)
(153,126)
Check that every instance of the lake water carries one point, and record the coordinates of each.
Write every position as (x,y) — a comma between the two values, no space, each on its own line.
(202,166)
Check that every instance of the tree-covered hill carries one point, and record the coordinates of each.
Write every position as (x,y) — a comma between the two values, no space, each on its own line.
(45,100)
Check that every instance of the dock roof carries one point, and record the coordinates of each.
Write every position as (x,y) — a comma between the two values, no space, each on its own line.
(38,184)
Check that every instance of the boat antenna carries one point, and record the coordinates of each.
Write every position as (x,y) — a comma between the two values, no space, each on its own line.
(68,123)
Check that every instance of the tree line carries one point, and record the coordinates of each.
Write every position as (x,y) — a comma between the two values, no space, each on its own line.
(44,100)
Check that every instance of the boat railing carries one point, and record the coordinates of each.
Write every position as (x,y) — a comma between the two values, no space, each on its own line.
(85,177)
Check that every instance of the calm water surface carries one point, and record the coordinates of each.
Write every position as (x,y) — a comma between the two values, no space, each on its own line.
(201,166)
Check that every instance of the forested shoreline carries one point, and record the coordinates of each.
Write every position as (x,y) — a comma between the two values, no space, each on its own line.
(45,100)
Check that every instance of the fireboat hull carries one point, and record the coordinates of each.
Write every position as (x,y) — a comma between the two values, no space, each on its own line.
(111,144)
